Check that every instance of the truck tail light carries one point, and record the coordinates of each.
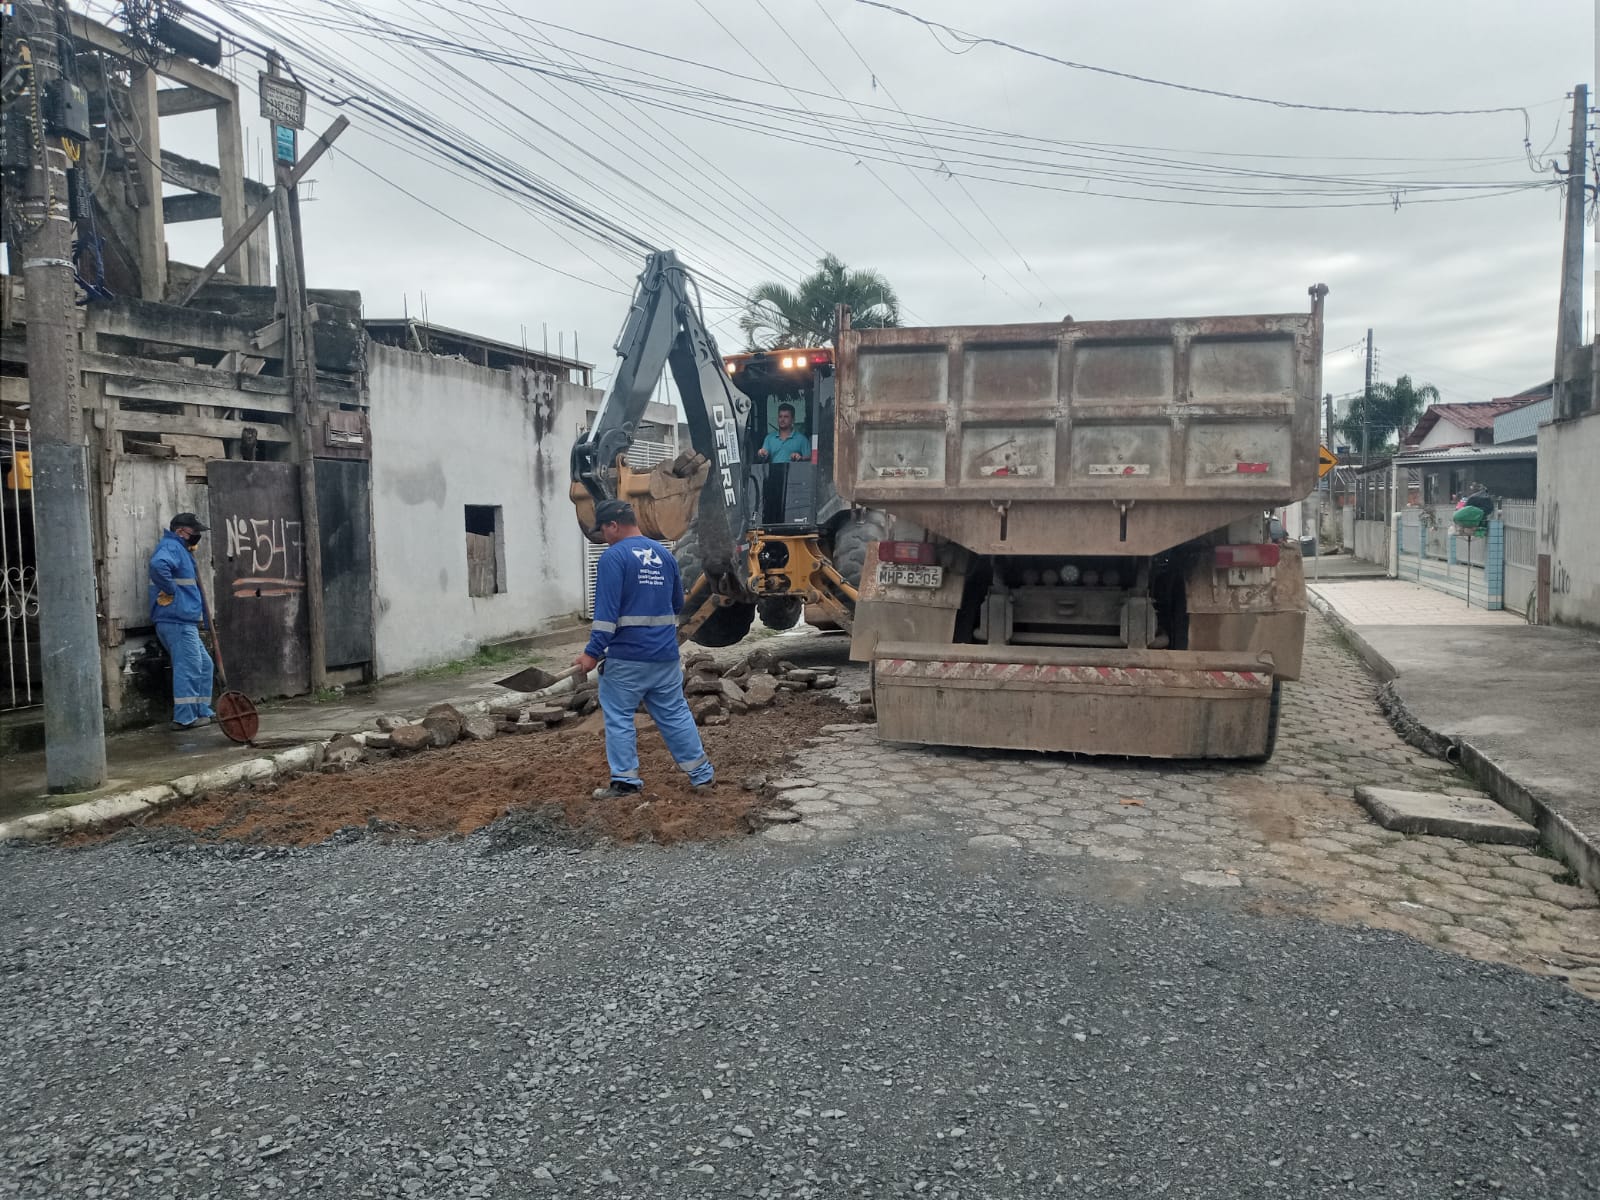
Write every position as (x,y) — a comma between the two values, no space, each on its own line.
(1263,555)
(921,554)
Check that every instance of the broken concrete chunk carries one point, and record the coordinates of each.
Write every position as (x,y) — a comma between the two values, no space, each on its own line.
(733,696)
(380,741)
(716,719)
(408,739)
(706,706)
(389,723)
(545,714)
(792,685)
(344,751)
(759,690)
(703,685)
(822,682)
(738,673)
(442,730)
(478,729)
(800,675)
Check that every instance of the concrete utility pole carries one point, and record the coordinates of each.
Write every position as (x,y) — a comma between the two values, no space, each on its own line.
(1569,321)
(69,636)
(1366,405)
(303,388)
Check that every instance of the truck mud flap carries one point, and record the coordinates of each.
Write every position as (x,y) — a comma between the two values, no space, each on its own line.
(1141,703)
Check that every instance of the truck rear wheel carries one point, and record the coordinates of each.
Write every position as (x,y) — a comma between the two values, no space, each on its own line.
(727,624)
(849,553)
(1272,723)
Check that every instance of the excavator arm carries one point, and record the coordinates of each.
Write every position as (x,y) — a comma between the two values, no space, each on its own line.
(704,488)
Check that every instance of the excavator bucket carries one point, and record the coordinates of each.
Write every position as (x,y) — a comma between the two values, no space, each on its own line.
(665,497)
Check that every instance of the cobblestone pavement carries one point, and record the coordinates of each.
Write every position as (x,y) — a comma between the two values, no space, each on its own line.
(1279,838)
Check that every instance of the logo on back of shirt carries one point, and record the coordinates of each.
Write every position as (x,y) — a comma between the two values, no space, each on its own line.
(647,556)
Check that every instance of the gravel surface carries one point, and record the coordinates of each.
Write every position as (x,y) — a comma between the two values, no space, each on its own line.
(879,1017)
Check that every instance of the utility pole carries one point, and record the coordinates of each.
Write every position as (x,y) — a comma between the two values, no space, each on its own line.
(302,361)
(1366,406)
(1569,321)
(69,636)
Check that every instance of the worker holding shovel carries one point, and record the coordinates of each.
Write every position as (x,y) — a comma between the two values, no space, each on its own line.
(178,612)
(638,592)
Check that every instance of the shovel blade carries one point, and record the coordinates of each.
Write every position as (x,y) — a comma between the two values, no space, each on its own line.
(529,679)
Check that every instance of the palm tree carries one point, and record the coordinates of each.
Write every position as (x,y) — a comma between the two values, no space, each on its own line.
(1394,409)
(778,315)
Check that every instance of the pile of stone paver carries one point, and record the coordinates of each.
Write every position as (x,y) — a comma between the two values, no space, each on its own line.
(716,692)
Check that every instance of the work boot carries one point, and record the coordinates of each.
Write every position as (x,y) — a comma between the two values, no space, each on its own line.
(616,791)
(197,723)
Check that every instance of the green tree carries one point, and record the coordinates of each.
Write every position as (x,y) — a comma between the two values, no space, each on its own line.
(1394,409)
(778,315)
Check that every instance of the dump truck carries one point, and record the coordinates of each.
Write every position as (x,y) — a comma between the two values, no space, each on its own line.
(1078,556)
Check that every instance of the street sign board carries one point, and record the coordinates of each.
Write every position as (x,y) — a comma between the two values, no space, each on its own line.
(283,101)
(1325,461)
(284,144)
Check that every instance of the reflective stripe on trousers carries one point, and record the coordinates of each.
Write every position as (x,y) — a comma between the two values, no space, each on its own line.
(191,671)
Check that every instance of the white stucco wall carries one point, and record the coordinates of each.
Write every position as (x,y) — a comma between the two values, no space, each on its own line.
(1445,433)
(446,434)
(1569,518)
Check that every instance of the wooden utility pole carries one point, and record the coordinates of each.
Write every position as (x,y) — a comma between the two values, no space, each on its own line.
(302,362)
(69,636)
(1571,401)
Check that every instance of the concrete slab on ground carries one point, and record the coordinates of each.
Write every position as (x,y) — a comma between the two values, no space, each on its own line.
(1467,818)
(1521,701)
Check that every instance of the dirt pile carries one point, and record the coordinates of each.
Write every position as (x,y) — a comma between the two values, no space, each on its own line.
(545,781)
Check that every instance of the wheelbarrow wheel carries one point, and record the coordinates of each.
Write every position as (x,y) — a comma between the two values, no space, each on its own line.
(237,717)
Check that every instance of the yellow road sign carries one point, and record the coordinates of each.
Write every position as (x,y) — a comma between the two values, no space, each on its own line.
(1325,461)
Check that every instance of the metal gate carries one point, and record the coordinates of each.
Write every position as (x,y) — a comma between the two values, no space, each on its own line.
(1521,518)
(345,528)
(23,676)
(259,560)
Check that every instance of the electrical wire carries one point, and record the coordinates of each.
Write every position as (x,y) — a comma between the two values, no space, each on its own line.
(971,40)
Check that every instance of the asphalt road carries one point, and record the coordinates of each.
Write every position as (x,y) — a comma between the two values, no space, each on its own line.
(876,1017)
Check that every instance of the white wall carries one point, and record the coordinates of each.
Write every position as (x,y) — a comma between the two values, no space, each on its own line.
(446,434)
(1445,433)
(1569,518)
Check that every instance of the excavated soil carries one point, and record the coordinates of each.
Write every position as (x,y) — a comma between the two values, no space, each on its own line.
(533,788)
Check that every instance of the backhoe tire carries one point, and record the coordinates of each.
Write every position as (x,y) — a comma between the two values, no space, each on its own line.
(727,624)
(780,614)
(849,553)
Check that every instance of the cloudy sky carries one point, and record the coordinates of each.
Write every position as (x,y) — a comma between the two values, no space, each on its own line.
(985,183)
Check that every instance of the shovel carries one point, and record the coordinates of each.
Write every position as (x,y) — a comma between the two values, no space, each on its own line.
(236,712)
(540,683)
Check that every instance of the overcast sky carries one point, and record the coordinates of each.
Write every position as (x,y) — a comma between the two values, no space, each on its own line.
(1461,294)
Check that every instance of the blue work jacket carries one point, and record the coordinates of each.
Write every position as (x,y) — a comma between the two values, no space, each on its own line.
(174,592)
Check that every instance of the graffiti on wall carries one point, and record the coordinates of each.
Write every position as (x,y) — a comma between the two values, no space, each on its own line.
(268,553)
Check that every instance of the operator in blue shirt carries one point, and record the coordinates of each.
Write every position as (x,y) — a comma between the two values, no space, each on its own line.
(787,444)
(638,592)
(178,613)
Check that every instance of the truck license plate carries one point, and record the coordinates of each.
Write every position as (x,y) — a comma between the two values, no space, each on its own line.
(906,575)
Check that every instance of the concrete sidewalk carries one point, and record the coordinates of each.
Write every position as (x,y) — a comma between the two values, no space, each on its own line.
(1518,704)
(146,757)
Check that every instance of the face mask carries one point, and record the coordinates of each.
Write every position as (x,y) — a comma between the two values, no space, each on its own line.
(192,540)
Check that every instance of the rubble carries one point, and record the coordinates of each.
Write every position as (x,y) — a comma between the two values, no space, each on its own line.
(751,683)
(408,739)
(344,751)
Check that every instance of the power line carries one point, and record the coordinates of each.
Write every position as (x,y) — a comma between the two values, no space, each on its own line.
(971,40)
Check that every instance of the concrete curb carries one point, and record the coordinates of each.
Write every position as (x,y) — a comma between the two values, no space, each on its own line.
(294,760)
(1556,833)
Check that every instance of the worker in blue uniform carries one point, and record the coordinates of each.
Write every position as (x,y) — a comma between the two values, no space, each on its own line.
(178,613)
(638,593)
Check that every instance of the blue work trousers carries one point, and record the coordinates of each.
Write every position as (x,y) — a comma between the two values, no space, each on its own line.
(624,685)
(191,671)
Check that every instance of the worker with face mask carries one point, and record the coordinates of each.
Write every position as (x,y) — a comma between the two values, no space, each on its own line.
(178,614)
